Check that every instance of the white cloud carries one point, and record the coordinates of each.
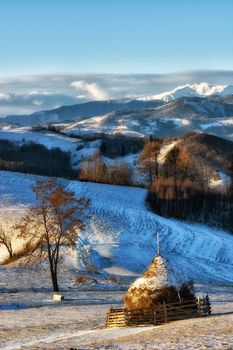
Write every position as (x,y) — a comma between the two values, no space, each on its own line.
(4,97)
(26,94)
(18,103)
(92,91)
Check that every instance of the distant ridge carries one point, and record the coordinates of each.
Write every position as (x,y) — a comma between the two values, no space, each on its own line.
(194,90)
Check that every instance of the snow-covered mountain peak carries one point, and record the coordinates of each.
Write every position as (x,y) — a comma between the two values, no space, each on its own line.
(204,89)
(191,90)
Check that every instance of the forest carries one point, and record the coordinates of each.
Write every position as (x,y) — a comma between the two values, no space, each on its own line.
(35,159)
(180,188)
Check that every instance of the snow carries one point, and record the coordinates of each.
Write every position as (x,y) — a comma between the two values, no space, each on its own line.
(122,232)
(87,125)
(104,124)
(161,274)
(78,323)
(178,121)
(88,149)
(125,132)
(191,90)
(93,120)
(222,181)
(165,149)
(217,123)
(48,139)
(122,236)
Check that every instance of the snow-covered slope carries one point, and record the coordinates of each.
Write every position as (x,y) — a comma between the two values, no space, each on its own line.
(171,119)
(122,232)
(191,90)
(187,108)
(46,138)
(76,112)
(165,149)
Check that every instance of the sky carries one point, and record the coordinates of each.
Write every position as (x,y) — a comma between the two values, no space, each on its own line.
(45,39)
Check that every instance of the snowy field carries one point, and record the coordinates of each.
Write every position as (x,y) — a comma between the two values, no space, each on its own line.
(78,323)
(121,236)
(122,232)
(46,138)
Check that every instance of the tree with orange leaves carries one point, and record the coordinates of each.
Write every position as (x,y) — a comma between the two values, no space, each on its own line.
(148,160)
(52,223)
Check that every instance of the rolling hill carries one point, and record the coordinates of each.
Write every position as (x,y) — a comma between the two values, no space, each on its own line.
(188,108)
(121,234)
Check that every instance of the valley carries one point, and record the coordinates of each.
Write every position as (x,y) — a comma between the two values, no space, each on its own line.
(123,152)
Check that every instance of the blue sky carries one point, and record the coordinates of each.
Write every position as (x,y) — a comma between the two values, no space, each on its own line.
(114,36)
(55,52)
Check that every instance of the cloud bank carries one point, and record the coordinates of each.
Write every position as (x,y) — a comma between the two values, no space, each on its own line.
(27,94)
(92,91)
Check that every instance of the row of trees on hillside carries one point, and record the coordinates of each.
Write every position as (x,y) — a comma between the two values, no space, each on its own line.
(34,158)
(185,200)
(95,170)
(178,164)
(180,187)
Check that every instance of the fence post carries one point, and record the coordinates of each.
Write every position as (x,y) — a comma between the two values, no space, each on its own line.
(208,304)
(165,312)
(126,317)
(199,305)
(155,320)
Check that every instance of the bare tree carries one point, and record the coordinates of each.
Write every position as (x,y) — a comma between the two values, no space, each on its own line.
(149,160)
(94,169)
(5,240)
(53,223)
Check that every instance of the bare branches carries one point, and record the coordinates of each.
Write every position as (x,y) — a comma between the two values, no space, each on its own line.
(53,222)
(5,240)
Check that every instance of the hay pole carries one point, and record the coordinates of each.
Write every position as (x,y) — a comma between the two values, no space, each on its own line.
(158,244)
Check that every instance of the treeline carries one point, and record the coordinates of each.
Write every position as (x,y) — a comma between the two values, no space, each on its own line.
(34,158)
(95,170)
(120,145)
(180,188)
(185,200)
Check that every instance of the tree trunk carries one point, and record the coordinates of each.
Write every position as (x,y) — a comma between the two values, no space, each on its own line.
(53,272)
(9,248)
(54,280)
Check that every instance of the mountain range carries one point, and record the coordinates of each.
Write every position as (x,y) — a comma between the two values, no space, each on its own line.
(192,90)
(197,107)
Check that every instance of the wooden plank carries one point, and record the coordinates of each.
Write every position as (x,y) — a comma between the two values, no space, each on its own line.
(140,315)
(117,324)
(192,301)
(115,320)
(115,310)
(165,311)
(116,315)
(181,310)
(181,306)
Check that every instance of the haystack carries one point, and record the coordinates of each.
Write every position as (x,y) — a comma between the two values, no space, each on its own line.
(159,283)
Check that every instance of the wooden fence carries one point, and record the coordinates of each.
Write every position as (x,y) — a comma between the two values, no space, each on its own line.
(159,314)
